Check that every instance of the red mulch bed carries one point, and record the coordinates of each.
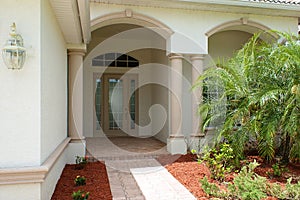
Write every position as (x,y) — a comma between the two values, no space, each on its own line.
(96,182)
(188,172)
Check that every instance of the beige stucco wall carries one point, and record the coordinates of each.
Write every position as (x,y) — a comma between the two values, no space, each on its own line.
(21,191)
(193,24)
(20,102)
(53,83)
(33,106)
(223,45)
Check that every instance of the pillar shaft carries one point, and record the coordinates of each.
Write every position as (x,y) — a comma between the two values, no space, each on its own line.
(176,97)
(197,70)
(76,94)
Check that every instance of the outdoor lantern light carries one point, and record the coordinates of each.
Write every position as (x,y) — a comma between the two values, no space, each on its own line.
(13,52)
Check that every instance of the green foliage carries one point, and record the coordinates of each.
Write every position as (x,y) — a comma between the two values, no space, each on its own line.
(80,180)
(80,162)
(261,91)
(247,185)
(219,161)
(80,195)
(277,170)
(212,189)
(291,191)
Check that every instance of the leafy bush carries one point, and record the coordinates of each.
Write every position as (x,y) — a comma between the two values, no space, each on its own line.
(80,195)
(80,180)
(261,90)
(219,161)
(247,185)
(80,162)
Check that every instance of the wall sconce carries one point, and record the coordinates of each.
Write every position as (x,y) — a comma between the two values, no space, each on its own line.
(13,52)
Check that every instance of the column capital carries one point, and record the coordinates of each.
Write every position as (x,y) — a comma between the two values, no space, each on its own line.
(175,56)
(76,52)
(197,57)
(76,49)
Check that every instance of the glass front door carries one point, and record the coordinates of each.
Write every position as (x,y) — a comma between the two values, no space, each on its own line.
(116,105)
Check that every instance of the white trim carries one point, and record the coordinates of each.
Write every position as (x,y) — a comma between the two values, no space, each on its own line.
(32,174)
(242,21)
(235,6)
(84,13)
(135,18)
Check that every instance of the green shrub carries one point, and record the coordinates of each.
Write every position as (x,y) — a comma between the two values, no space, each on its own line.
(80,180)
(80,195)
(219,161)
(247,185)
(80,162)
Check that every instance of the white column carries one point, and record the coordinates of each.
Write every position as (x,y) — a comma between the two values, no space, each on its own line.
(76,102)
(197,137)
(197,70)
(176,143)
(176,96)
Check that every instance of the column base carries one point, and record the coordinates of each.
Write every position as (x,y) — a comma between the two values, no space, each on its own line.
(77,147)
(197,142)
(176,145)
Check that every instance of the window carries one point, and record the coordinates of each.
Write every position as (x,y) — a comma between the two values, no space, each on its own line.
(213,94)
(115,60)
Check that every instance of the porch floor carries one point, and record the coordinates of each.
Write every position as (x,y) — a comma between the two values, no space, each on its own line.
(122,148)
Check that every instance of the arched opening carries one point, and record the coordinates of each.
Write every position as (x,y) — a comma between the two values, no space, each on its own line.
(225,39)
(115,104)
(223,42)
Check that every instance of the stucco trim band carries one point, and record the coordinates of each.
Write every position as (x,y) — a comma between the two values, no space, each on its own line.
(32,174)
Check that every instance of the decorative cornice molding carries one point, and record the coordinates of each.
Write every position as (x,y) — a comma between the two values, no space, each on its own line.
(132,17)
(244,21)
(32,174)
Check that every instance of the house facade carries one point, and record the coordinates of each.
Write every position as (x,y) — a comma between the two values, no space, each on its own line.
(113,68)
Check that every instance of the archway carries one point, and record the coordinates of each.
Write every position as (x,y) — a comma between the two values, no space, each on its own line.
(144,40)
(225,39)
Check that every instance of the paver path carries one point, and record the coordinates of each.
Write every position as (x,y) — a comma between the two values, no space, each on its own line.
(157,183)
(139,179)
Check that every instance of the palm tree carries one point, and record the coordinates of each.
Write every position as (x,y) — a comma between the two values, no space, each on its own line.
(261,88)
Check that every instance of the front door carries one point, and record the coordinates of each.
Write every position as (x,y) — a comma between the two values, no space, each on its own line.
(117,115)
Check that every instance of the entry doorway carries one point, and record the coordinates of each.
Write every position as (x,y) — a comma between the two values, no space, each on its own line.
(116,104)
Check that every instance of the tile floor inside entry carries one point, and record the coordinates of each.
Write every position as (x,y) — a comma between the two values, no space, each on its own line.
(133,171)
(104,148)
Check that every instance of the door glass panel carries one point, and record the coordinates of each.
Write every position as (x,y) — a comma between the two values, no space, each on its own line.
(132,104)
(115,103)
(98,103)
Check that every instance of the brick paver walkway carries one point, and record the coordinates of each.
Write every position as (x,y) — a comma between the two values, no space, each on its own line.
(133,171)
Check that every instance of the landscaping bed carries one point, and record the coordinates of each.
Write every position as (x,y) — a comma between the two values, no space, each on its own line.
(96,182)
(188,172)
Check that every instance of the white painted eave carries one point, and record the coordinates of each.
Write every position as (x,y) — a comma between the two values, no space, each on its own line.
(73,17)
(233,6)
(84,13)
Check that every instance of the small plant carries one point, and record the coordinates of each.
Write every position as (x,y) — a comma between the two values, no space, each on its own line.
(219,161)
(80,195)
(212,189)
(80,180)
(247,185)
(276,170)
(80,162)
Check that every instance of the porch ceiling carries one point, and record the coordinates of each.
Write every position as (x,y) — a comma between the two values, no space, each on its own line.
(73,17)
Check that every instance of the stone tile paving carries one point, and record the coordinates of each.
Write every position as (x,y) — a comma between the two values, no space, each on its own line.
(143,179)
(157,183)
